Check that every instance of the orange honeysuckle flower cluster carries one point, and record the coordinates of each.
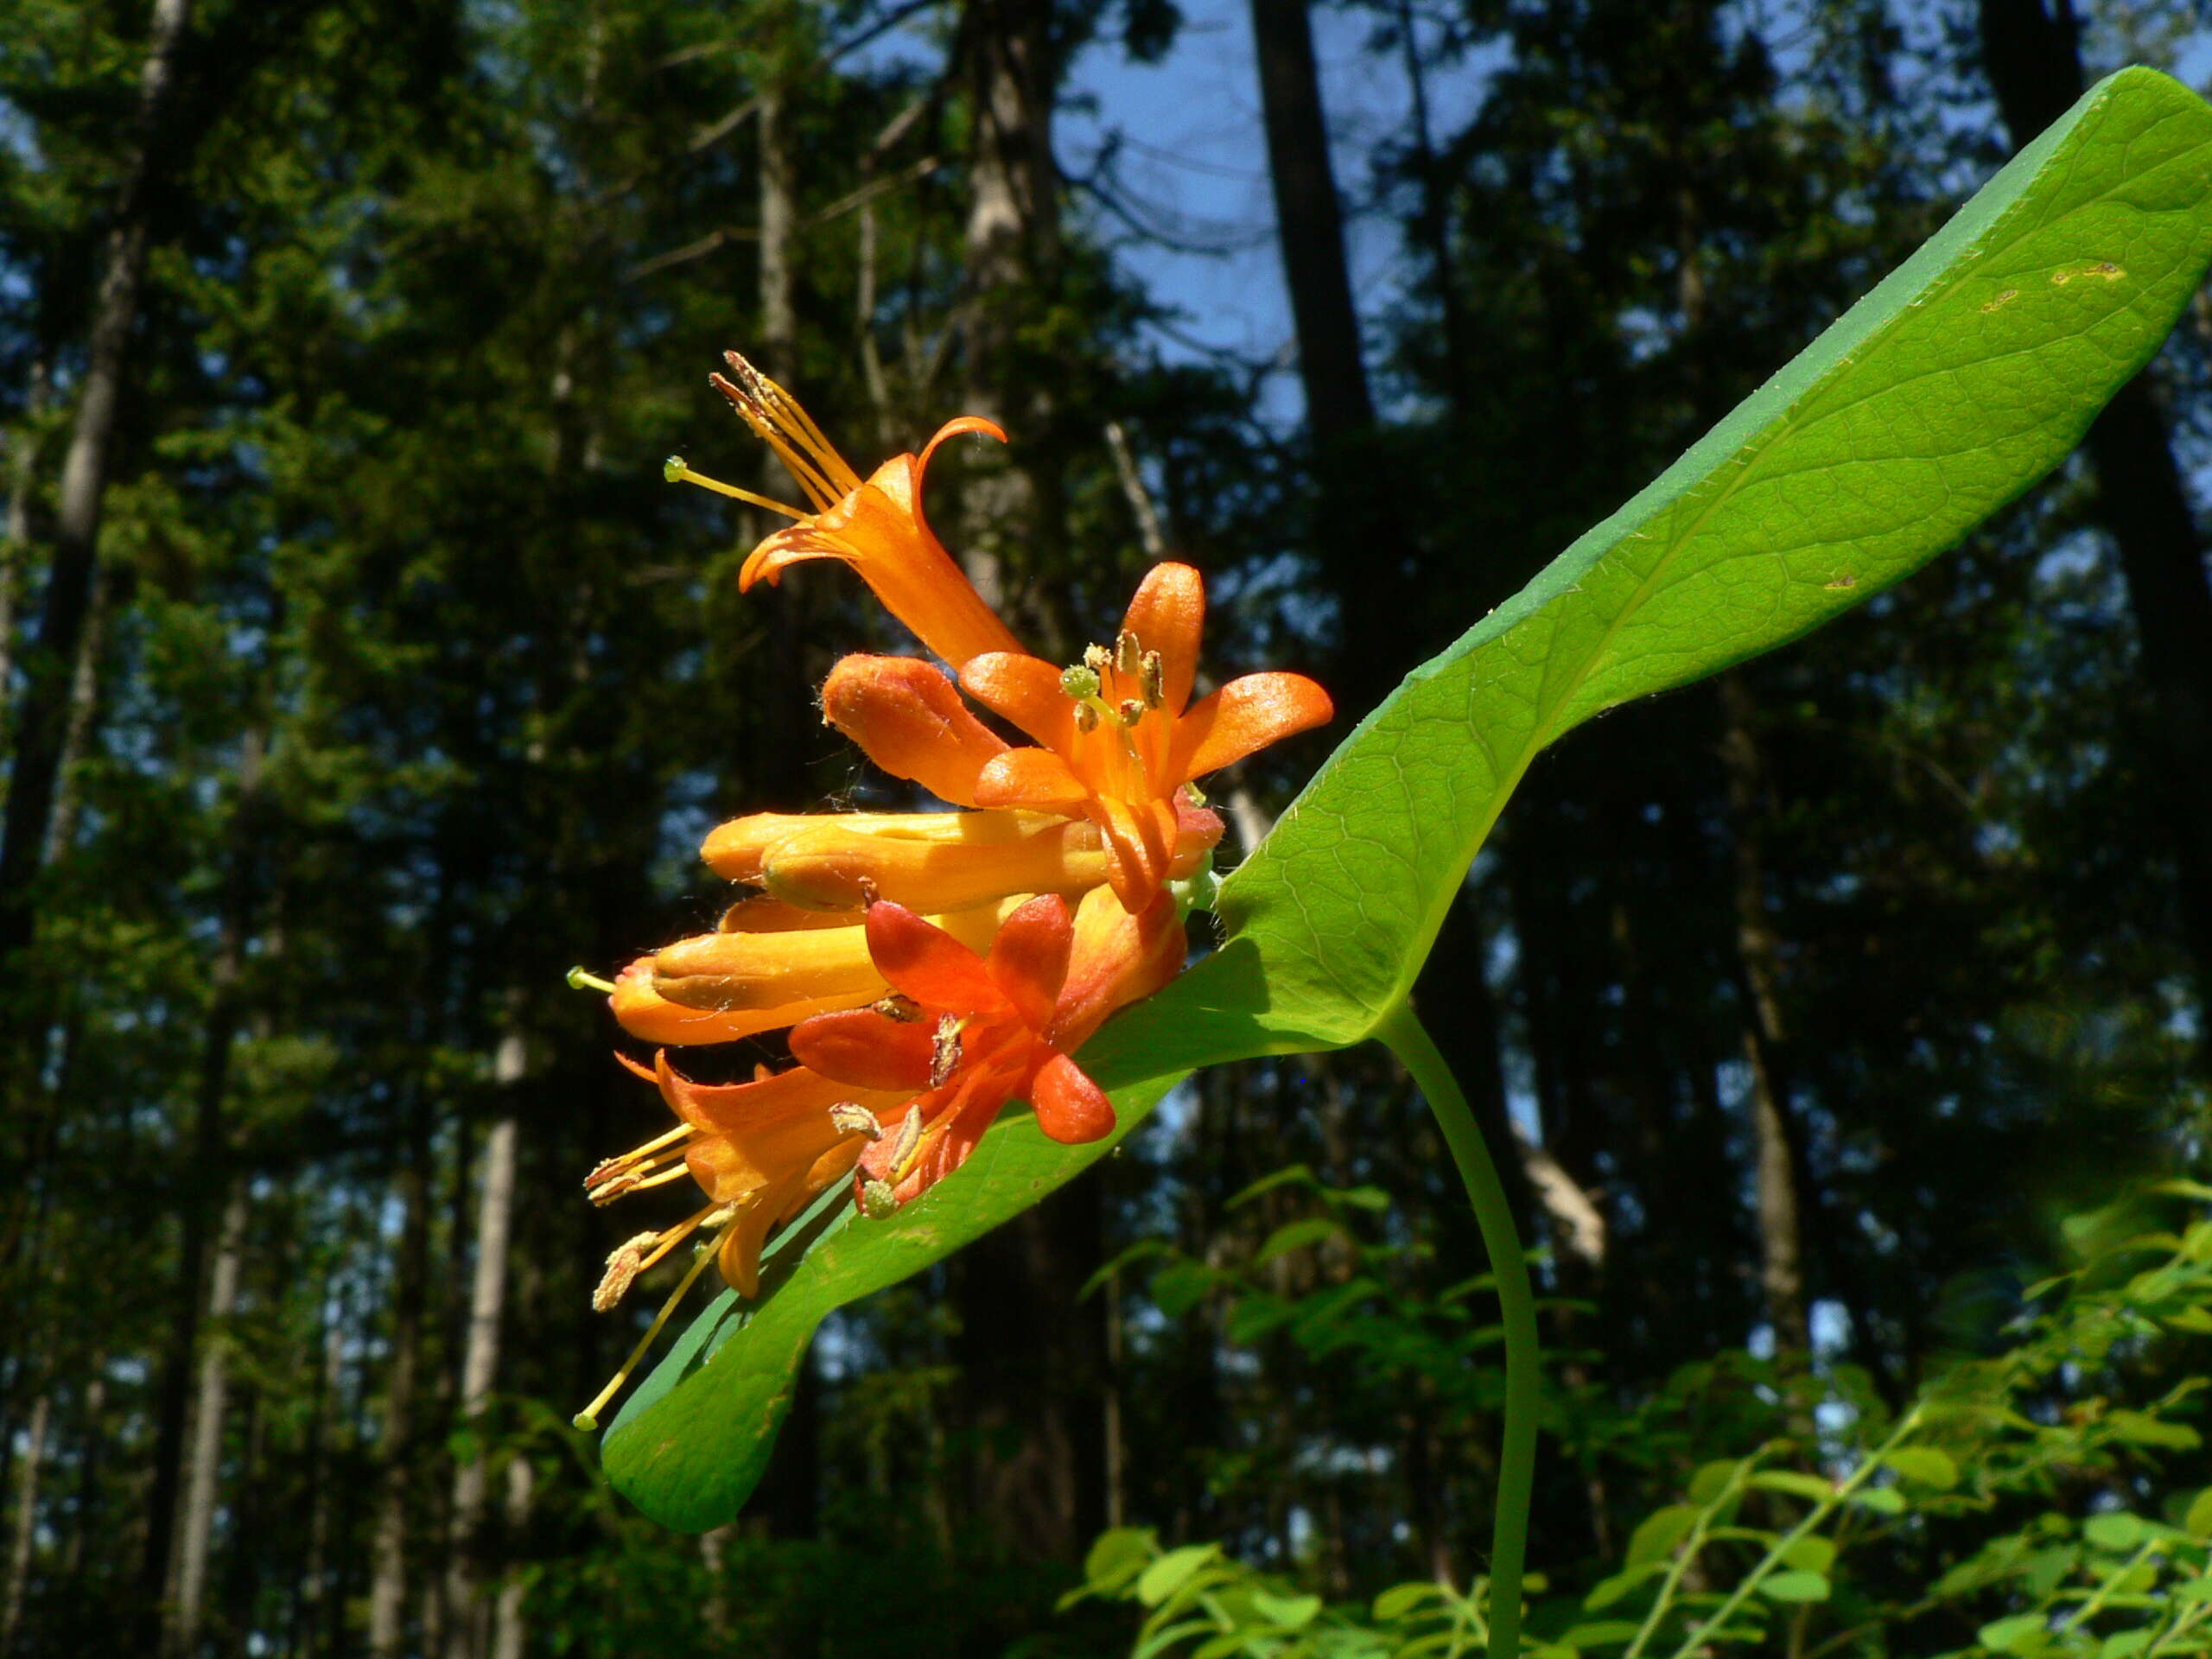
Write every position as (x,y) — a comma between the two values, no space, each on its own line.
(930,967)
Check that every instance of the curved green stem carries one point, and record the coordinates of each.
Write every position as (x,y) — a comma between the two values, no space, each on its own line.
(1402,1033)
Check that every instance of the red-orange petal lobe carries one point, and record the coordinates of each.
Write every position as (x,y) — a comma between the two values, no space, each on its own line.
(1246,715)
(1024,690)
(866,1049)
(1130,871)
(1036,778)
(1029,958)
(912,722)
(926,962)
(1168,615)
(1119,959)
(959,426)
(1070,1108)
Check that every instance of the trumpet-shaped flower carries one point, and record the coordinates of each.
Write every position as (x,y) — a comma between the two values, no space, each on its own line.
(1119,736)
(874,524)
(975,1031)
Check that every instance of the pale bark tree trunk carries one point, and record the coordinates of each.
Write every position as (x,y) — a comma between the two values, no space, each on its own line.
(1759,954)
(42,725)
(1012,243)
(197,1531)
(2032,52)
(778,224)
(22,1547)
(468,1618)
(508,1629)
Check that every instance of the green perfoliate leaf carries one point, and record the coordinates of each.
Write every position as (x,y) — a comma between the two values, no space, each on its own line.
(1962,379)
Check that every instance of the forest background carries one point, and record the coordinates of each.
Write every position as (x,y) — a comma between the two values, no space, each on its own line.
(363,676)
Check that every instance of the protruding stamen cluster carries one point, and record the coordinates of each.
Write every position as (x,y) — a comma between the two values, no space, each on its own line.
(1092,684)
(778,421)
(656,1162)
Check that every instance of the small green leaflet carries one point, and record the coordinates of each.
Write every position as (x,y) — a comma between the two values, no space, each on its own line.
(1965,376)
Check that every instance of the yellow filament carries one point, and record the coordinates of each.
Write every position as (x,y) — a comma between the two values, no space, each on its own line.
(587,1419)
(675,1235)
(684,474)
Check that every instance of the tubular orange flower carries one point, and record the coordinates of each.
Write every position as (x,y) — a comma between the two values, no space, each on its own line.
(761,1151)
(769,958)
(876,526)
(982,1030)
(1119,736)
(948,861)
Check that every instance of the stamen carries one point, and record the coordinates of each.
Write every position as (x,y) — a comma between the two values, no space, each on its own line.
(1152,678)
(608,1166)
(1086,717)
(904,1010)
(1097,658)
(850,1118)
(587,1419)
(945,1059)
(676,471)
(909,1137)
(793,414)
(788,430)
(623,1267)
(581,981)
(756,417)
(714,1214)
(1128,656)
(1130,712)
(643,1183)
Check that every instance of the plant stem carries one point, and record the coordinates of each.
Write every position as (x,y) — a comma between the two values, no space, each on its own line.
(1868,1468)
(1402,1034)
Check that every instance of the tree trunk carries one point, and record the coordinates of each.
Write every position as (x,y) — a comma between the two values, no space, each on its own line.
(1776,1158)
(210,1176)
(467,1618)
(508,1630)
(2033,56)
(388,1579)
(197,1529)
(1309,223)
(42,725)
(1012,250)
(84,714)
(16,548)
(19,1548)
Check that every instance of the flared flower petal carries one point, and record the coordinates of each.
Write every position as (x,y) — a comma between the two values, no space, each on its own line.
(1118,959)
(1168,615)
(1035,778)
(1244,717)
(1026,690)
(863,1049)
(1069,1107)
(927,963)
(1028,962)
(879,529)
